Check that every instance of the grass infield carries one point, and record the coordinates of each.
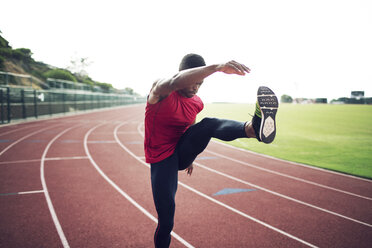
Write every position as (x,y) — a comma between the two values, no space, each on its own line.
(335,137)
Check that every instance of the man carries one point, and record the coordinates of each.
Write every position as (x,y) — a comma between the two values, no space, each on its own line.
(173,140)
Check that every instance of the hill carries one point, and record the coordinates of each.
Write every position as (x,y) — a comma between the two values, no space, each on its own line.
(20,61)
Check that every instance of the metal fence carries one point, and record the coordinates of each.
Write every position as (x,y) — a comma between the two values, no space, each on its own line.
(23,103)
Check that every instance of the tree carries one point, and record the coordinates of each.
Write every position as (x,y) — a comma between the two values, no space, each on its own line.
(286,99)
(128,90)
(60,74)
(79,65)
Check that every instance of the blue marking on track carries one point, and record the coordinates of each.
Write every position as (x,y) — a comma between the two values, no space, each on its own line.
(71,141)
(228,191)
(6,194)
(5,140)
(35,141)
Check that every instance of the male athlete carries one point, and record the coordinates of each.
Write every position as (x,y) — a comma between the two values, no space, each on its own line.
(173,140)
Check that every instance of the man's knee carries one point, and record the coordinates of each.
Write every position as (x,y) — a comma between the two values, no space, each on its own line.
(209,123)
(166,216)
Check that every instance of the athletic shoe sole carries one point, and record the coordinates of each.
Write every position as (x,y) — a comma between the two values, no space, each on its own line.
(269,104)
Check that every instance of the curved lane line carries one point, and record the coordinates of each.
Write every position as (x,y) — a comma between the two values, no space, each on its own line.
(279,173)
(46,193)
(23,138)
(115,186)
(221,203)
(15,130)
(288,176)
(294,163)
(281,195)
(273,192)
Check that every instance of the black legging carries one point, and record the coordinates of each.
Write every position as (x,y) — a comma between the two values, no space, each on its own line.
(164,174)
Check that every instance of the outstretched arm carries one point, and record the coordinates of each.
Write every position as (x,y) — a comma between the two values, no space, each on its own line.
(162,88)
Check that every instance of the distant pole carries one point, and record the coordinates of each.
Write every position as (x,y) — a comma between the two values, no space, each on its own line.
(6,79)
(24,113)
(50,100)
(2,106)
(35,104)
(8,103)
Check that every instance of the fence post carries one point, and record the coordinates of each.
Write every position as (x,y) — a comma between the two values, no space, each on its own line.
(35,104)
(64,102)
(2,106)
(75,99)
(6,79)
(24,113)
(50,99)
(91,102)
(8,103)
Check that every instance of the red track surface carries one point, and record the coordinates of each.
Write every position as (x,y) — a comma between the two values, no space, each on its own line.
(81,181)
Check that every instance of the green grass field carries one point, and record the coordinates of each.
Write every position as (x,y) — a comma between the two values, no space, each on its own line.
(336,137)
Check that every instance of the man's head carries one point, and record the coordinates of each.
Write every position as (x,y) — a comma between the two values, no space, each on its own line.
(191,61)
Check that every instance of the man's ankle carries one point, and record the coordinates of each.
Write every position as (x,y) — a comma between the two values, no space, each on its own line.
(249,130)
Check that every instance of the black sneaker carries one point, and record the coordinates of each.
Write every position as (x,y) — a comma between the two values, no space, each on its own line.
(263,120)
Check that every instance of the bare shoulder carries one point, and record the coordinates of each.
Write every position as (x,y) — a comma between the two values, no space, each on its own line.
(157,92)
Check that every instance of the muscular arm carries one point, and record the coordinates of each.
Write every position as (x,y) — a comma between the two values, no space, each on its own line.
(162,88)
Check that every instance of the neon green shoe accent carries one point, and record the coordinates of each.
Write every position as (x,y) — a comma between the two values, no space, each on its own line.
(258,110)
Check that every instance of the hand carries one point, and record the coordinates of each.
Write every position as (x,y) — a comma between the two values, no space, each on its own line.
(189,169)
(233,67)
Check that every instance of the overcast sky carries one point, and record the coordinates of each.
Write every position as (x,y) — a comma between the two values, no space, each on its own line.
(317,48)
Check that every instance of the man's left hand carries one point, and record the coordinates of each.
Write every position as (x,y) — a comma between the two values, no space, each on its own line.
(189,169)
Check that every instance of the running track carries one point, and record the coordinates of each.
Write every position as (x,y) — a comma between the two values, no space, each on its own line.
(81,181)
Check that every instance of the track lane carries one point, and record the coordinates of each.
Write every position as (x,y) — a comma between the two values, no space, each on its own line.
(339,203)
(189,203)
(123,181)
(336,203)
(25,222)
(359,233)
(229,213)
(19,175)
(286,175)
(27,171)
(336,180)
(91,212)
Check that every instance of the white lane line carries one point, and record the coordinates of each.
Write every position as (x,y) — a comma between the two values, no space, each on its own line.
(46,193)
(23,138)
(23,193)
(16,130)
(66,158)
(287,176)
(31,192)
(38,160)
(272,192)
(246,215)
(115,186)
(293,163)
(281,195)
(216,201)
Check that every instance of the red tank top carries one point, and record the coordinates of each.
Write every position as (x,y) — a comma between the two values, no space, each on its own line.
(166,121)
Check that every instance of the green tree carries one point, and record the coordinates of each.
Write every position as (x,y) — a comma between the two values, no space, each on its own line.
(3,42)
(286,99)
(60,74)
(130,91)
(104,86)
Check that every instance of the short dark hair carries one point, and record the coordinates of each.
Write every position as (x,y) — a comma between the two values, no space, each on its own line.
(191,60)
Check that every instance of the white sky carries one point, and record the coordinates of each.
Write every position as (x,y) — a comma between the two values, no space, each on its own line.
(314,48)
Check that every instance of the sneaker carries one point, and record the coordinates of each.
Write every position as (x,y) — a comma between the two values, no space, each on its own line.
(263,120)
